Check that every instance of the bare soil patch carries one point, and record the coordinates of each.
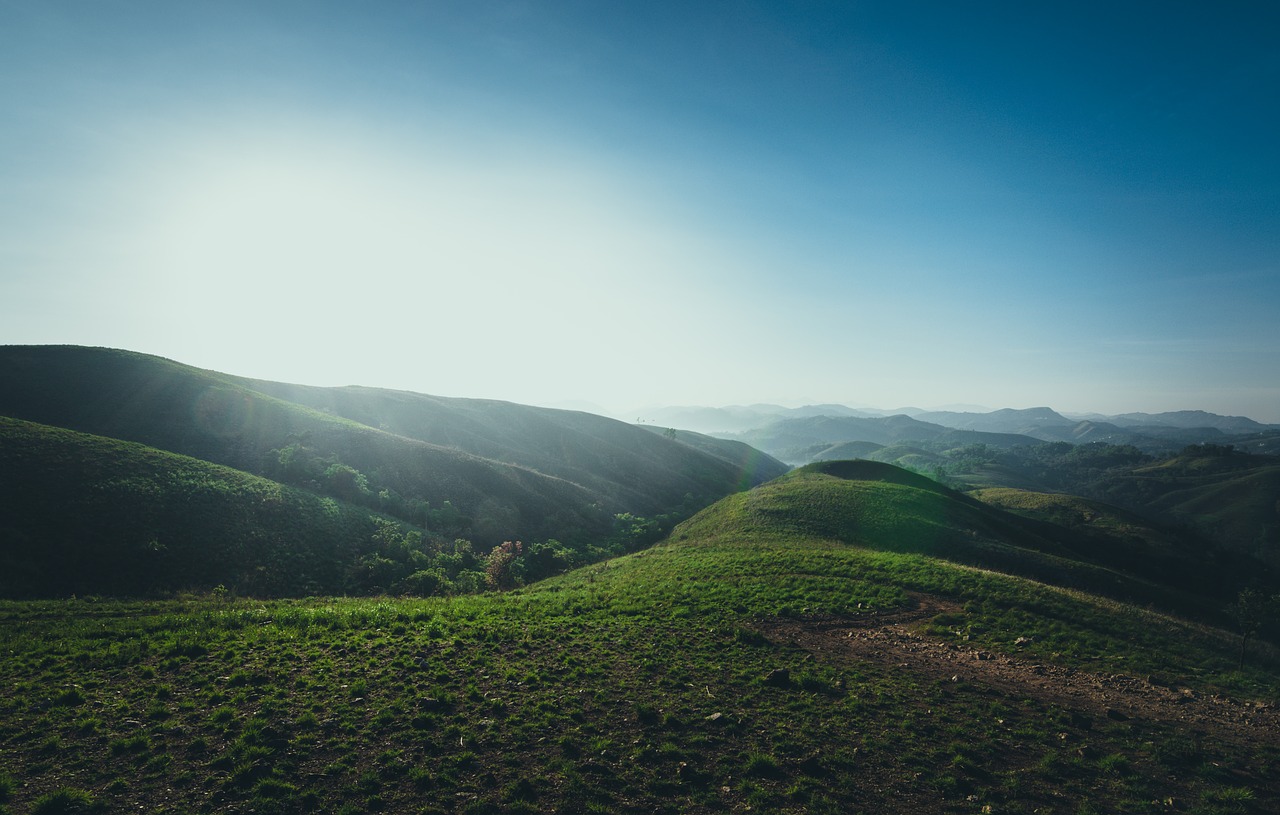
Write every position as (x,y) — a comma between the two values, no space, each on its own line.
(894,640)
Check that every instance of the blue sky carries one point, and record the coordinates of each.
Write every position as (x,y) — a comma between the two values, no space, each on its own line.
(879,204)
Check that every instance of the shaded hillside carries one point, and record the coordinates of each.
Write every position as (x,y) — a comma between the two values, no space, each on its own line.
(1228,498)
(1232,498)
(1102,533)
(87,515)
(505,471)
(743,664)
(83,514)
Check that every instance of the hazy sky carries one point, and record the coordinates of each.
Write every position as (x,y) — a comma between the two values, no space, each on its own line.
(882,204)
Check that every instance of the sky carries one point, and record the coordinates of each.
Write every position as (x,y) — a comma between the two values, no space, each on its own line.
(628,204)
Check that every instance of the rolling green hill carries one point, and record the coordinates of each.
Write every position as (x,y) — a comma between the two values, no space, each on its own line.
(885,507)
(486,470)
(83,514)
(1228,498)
(817,645)
(1231,497)
(606,456)
(1100,533)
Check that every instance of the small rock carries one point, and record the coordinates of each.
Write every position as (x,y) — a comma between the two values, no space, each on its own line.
(715,717)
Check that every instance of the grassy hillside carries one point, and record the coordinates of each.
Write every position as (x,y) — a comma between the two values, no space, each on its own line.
(490,471)
(1224,497)
(755,660)
(82,514)
(1105,534)
(1231,497)
(608,457)
(885,507)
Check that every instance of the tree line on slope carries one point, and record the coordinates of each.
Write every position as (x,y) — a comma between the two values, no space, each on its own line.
(87,515)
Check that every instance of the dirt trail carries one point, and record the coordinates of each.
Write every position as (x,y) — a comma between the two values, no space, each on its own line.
(893,640)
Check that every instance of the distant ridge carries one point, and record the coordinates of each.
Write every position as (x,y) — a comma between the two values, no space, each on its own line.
(738,419)
(1190,419)
(773,428)
(796,440)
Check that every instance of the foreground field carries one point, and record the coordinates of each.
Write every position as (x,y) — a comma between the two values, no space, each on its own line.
(737,666)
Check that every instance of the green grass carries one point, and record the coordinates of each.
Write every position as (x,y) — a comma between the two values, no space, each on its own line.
(627,684)
(641,684)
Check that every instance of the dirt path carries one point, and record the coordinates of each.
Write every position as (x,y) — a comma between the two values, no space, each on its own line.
(893,640)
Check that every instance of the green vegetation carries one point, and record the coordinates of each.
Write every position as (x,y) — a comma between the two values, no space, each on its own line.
(693,676)
(484,470)
(87,515)
(123,474)
(1207,504)
(847,637)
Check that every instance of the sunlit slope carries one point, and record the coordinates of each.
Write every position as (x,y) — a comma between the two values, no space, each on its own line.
(609,457)
(508,470)
(883,507)
(162,404)
(83,514)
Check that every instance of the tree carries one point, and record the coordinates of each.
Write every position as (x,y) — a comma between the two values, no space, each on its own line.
(543,560)
(1252,611)
(347,483)
(497,571)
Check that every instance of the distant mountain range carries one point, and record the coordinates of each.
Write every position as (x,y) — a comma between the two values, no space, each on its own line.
(799,435)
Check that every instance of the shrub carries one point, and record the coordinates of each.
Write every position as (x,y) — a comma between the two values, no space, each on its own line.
(67,800)
(762,765)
